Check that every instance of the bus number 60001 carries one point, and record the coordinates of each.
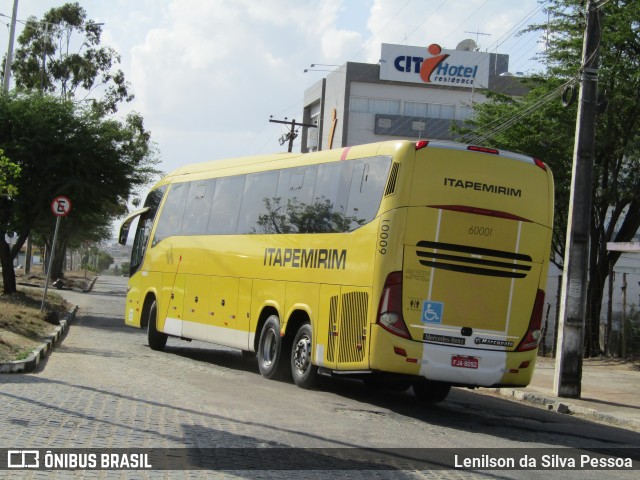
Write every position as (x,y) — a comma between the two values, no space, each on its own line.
(384,235)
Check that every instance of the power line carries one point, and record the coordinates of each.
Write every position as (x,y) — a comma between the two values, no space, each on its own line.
(509,34)
(516,117)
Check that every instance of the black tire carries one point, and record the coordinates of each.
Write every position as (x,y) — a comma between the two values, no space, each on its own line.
(157,340)
(272,358)
(305,374)
(429,391)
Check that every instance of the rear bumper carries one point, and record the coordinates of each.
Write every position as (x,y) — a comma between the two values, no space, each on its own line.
(390,353)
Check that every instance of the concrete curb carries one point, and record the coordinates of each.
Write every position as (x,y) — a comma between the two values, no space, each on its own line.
(40,353)
(90,287)
(557,405)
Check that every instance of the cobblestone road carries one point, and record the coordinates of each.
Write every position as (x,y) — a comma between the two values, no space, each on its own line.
(104,388)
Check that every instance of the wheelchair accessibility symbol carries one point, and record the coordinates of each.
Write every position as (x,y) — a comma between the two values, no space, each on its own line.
(432,312)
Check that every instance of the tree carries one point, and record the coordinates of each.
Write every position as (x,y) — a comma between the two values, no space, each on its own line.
(549,133)
(104,261)
(9,174)
(63,149)
(96,260)
(44,61)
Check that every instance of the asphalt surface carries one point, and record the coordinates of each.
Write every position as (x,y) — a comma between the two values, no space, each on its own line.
(103,388)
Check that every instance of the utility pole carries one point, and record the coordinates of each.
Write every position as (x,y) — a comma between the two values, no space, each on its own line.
(291,135)
(568,372)
(12,35)
(6,80)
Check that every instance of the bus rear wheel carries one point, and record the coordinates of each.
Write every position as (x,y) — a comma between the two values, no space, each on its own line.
(305,374)
(157,340)
(429,391)
(271,350)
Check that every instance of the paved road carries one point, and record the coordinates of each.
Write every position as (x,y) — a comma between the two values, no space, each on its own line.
(104,388)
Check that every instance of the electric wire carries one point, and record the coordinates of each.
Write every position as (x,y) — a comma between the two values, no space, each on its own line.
(502,125)
(516,53)
(501,40)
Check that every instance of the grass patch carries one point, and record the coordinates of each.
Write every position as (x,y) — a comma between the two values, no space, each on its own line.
(23,327)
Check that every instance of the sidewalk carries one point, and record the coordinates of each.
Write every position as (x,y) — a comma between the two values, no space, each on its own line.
(610,391)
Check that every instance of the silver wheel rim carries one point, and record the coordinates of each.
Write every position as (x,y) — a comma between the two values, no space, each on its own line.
(269,348)
(302,354)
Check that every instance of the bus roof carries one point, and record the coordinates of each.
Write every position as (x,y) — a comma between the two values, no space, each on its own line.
(356,151)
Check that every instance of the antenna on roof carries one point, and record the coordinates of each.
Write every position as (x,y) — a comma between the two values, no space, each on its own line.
(477,34)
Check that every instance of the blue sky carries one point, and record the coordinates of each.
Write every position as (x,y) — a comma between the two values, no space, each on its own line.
(207,74)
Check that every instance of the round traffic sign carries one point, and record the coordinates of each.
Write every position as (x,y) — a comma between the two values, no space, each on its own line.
(61,206)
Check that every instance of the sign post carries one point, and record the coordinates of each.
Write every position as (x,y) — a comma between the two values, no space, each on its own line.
(61,206)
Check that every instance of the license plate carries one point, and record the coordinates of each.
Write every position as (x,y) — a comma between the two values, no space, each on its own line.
(464,362)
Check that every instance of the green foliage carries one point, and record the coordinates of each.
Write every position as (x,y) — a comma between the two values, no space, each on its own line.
(104,261)
(63,149)
(9,173)
(61,53)
(96,260)
(548,132)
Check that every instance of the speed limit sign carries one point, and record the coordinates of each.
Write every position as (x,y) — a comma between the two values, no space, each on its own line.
(61,206)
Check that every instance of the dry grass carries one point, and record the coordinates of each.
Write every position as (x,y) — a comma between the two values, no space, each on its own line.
(23,327)
(612,363)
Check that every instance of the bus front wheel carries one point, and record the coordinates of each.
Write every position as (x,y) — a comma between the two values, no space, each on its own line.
(304,373)
(157,340)
(429,391)
(271,350)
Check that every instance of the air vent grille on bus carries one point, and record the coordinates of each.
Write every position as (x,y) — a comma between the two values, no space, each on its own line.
(393,176)
(333,328)
(353,327)
(473,260)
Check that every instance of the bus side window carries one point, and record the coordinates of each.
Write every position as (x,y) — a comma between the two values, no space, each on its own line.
(225,205)
(196,212)
(367,186)
(330,197)
(257,202)
(170,221)
(289,209)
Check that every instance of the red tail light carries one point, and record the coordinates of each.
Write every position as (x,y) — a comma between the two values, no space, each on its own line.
(540,163)
(475,148)
(420,144)
(532,337)
(390,308)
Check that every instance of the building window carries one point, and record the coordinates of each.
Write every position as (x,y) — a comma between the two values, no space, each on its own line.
(441,111)
(374,105)
(312,133)
(415,109)
(429,110)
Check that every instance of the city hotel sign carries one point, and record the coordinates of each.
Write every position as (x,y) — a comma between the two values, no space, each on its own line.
(434,65)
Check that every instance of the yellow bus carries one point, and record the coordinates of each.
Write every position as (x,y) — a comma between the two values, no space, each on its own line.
(403,263)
